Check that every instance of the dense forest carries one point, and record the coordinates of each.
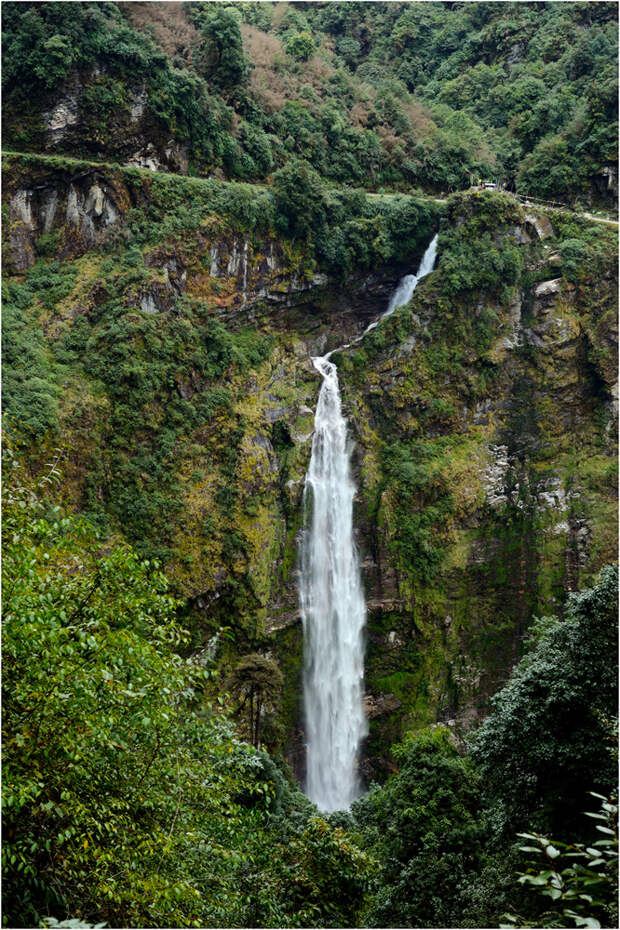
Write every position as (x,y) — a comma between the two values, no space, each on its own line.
(201,200)
(370,95)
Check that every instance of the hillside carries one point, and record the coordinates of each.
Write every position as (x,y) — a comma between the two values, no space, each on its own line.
(198,201)
(396,94)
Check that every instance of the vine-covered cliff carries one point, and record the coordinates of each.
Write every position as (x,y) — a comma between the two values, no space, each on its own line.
(168,325)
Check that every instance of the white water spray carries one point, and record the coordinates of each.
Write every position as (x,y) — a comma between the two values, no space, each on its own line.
(330,591)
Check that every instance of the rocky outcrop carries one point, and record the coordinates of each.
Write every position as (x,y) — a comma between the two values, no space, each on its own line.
(548,287)
(539,224)
(63,116)
(79,211)
(380,704)
(523,507)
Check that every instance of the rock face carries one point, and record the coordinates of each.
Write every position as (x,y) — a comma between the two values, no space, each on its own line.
(78,212)
(548,287)
(497,467)
(78,122)
(252,277)
(64,115)
(540,224)
(482,427)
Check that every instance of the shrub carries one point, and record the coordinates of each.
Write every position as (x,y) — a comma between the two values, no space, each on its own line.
(546,743)
(422,827)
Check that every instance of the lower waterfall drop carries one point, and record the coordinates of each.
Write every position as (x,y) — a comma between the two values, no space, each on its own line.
(333,607)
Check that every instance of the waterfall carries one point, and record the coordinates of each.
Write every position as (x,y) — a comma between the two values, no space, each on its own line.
(331,597)
(407,285)
(333,609)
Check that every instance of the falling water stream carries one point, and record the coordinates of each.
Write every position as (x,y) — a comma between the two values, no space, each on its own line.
(331,596)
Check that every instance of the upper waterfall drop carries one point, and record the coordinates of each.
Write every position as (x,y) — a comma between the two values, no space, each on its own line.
(407,285)
(331,596)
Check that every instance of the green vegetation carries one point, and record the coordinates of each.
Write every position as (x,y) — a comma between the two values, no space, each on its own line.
(388,94)
(422,826)
(460,400)
(443,827)
(583,883)
(547,742)
(157,328)
(144,807)
(127,798)
(30,396)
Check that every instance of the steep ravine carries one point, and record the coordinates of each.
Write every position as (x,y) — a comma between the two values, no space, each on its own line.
(176,344)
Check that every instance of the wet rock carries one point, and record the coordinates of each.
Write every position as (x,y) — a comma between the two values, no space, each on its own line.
(21,240)
(520,235)
(282,621)
(21,248)
(177,157)
(72,213)
(148,158)
(137,105)
(62,117)
(234,260)
(494,475)
(147,304)
(548,287)
(515,55)
(21,207)
(273,414)
(380,704)
(49,206)
(95,201)
(609,177)
(110,213)
(552,496)
(214,255)
(540,224)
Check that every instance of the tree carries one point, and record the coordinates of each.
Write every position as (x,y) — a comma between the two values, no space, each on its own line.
(299,198)
(258,681)
(224,60)
(422,827)
(579,880)
(300,45)
(546,744)
(118,792)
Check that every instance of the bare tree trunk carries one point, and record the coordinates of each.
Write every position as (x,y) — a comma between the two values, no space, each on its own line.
(252,714)
(258,709)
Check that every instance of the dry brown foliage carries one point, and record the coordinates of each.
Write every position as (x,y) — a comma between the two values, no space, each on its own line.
(359,113)
(389,140)
(418,116)
(317,71)
(168,23)
(259,46)
(279,12)
(272,88)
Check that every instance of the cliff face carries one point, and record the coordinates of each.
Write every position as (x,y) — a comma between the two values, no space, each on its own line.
(487,444)
(170,328)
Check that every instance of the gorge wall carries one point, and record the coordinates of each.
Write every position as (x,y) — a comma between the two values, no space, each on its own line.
(159,338)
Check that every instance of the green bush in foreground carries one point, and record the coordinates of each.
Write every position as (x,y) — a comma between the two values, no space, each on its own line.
(423,828)
(547,742)
(579,881)
(125,799)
